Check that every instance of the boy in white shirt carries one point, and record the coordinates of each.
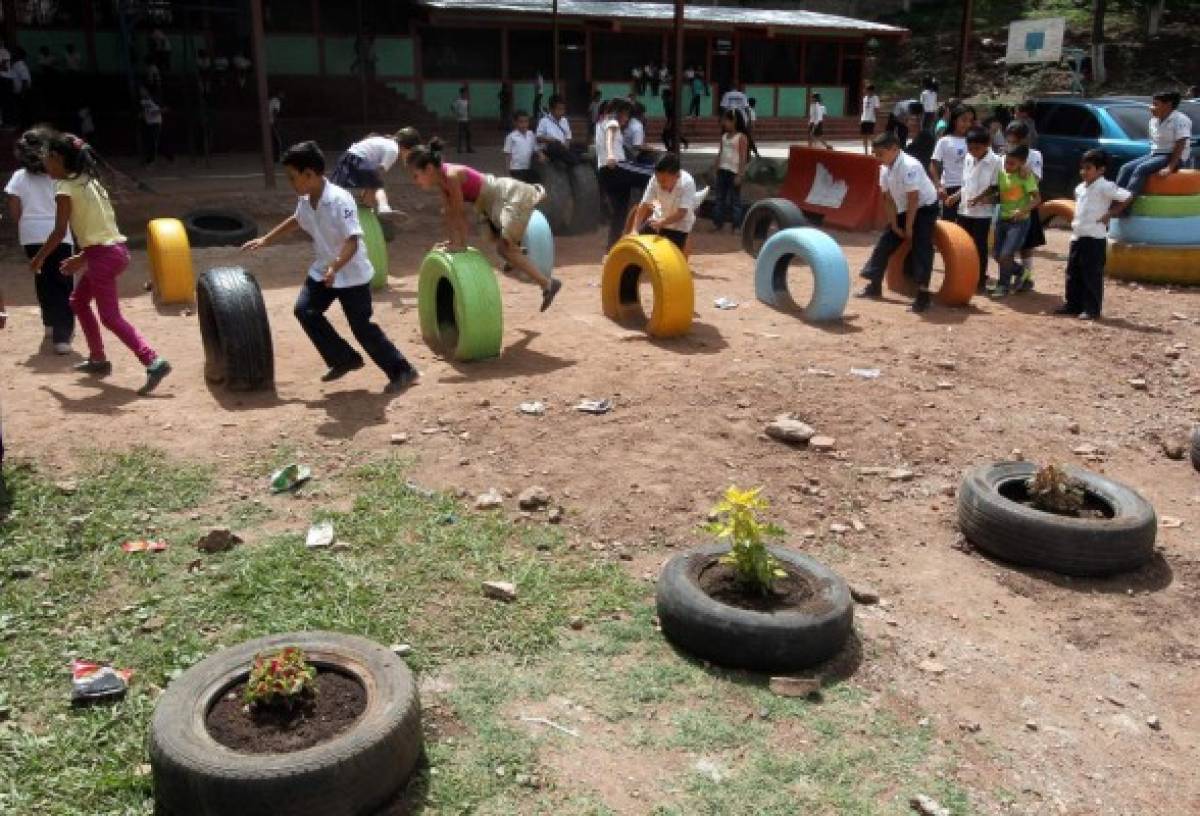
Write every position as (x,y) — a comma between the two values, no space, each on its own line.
(461,108)
(870,112)
(519,147)
(361,168)
(1096,201)
(554,131)
(976,199)
(668,207)
(929,101)
(816,122)
(341,271)
(1170,144)
(912,207)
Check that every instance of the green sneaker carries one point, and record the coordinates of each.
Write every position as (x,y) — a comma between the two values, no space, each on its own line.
(154,375)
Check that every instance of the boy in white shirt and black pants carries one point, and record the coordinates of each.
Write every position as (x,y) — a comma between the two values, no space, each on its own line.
(668,207)
(976,200)
(1096,201)
(912,206)
(816,122)
(519,147)
(554,132)
(870,111)
(341,272)
(461,108)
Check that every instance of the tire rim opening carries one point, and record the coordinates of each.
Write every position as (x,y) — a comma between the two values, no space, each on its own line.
(217,223)
(761,231)
(1017,490)
(636,293)
(447,322)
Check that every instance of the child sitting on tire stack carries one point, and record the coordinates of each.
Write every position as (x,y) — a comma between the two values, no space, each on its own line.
(554,133)
(341,272)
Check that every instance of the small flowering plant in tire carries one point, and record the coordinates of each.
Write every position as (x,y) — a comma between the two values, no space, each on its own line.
(283,679)
(744,604)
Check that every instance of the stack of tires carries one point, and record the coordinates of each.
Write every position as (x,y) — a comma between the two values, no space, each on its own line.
(572,204)
(1159,241)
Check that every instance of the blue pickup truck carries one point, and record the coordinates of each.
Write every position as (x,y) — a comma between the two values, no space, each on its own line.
(1068,126)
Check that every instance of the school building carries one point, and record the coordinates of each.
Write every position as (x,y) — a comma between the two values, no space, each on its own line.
(349,63)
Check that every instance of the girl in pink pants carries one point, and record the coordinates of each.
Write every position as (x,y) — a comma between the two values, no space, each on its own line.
(83,204)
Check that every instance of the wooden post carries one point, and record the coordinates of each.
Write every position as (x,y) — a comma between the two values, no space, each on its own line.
(556,54)
(964,39)
(260,75)
(677,77)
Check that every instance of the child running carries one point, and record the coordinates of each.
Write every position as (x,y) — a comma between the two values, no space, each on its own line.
(976,200)
(361,168)
(1018,133)
(1170,144)
(1019,199)
(504,204)
(82,204)
(908,192)
(31,205)
(1096,201)
(340,272)
(668,208)
(816,122)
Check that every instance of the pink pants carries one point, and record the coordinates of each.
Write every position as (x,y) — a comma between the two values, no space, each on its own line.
(99,282)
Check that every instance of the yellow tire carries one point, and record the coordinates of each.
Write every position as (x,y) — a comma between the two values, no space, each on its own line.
(1178,265)
(670,278)
(171,274)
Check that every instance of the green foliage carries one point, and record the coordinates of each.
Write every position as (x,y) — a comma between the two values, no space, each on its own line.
(282,679)
(738,523)
(1053,491)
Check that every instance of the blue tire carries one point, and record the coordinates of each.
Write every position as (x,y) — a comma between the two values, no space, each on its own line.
(831,273)
(1140,229)
(539,244)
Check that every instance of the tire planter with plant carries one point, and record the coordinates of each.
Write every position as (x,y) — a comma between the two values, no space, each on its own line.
(218,227)
(767,217)
(1113,532)
(235,330)
(353,771)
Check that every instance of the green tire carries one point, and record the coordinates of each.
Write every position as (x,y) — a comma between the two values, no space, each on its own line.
(1167,206)
(376,246)
(458,305)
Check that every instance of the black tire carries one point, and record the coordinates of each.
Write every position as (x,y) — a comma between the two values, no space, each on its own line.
(1014,532)
(216,228)
(353,774)
(765,217)
(558,206)
(585,192)
(742,638)
(235,330)
(1196,447)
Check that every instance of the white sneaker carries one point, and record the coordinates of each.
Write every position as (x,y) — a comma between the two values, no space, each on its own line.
(62,348)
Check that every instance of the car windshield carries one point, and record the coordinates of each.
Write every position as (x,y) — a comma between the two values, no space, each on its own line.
(1134,120)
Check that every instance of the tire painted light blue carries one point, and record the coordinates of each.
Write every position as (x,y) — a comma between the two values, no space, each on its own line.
(1140,229)
(539,244)
(831,272)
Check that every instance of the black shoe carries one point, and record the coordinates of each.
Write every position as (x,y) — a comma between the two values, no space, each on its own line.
(549,292)
(1067,310)
(98,368)
(402,381)
(921,303)
(871,290)
(339,371)
(155,373)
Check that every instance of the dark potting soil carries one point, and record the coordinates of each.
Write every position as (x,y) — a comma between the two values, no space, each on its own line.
(339,701)
(794,592)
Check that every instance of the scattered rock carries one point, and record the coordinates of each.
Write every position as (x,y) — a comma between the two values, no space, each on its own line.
(932,667)
(901,475)
(399,439)
(489,500)
(1154,723)
(533,498)
(1086,450)
(576,622)
(970,727)
(787,428)
(532,408)
(500,591)
(863,594)
(67,487)
(839,528)
(20,573)
(218,540)
(320,535)
(1138,384)
(822,443)
(555,516)
(927,806)
(795,686)
(1170,523)
(1073,428)
(947,365)
(401,649)
(1031,725)
(709,770)
(152,625)
(1174,449)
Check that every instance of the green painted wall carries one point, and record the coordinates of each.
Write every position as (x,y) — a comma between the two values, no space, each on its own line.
(764,99)
(834,100)
(339,55)
(292,55)
(31,41)
(485,99)
(395,56)
(793,101)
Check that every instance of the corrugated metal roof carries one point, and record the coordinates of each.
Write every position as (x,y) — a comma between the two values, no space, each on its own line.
(709,15)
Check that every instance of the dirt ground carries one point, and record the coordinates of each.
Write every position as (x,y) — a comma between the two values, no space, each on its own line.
(1042,684)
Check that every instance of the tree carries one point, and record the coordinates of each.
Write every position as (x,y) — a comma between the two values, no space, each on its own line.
(1099,74)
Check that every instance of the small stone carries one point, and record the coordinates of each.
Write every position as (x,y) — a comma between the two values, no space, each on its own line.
(1073,428)
(1154,723)
(1031,725)
(789,429)
(1170,523)
(532,408)
(839,528)
(1174,449)
(863,594)
(944,385)
(218,540)
(320,535)
(822,443)
(858,526)
(947,365)
(20,573)
(489,500)
(399,439)
(68,487)
(901,475)
(401,649)
(795,686)
(970,727)
(927,806)
(1173,353)
(500,591)
(576,622)
(533,498)
(1086,450)
(932,667)
(1138,384)
(555,516)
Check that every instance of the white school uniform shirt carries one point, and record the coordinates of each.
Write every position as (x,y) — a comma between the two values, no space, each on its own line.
(558,130)
(1165,133)
(906,175)
(666,204)
(870,105)
(274,107)
(1035,163)
(38,208)
(602,155)
(979,175)
(635,135)
(462,109)
(377,150)
(1092,201)
(735,100)
(330,224)
(951,151)
(151,112)
(729,157)
(519,148)
(929,100)
(816,113)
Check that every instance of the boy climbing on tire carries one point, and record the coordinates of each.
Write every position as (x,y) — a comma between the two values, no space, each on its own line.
(362,167)
(668,207)
(341,272)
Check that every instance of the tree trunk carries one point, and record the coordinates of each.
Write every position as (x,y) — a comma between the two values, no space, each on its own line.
(1157,7)
(1099,74)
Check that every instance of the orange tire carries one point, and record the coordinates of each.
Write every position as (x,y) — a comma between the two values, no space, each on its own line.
(962,266)
(1063,208)
(1185,182)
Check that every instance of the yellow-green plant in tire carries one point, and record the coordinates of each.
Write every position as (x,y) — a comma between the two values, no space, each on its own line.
(459,305)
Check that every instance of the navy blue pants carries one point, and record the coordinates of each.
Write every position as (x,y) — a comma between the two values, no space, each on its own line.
(316,298)
(920,258)
(1085,275)
(54,292)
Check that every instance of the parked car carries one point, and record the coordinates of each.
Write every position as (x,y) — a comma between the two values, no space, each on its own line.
(1069,126)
